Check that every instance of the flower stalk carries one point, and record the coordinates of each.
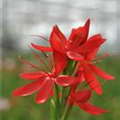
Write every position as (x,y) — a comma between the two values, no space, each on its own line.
(66,113)
(57,102)
(53,115)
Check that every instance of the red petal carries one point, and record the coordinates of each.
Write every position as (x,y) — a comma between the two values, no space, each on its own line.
(81,96)
(32,75)
(87,26)
(56,42)
(93,43)
(42,48)
(65,80)
(90,55)
(45,91)
(60,35)
(29,89)
(91,80)
(90,108)
(74,56)
(60,61)
(101,73)
(78,36)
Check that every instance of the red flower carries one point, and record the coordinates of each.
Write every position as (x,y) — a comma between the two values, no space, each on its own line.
(79,51)
(81,98)
(73,47)
(88,70)
(43,82)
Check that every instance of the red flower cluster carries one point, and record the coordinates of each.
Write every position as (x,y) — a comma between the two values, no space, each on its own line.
(74,64)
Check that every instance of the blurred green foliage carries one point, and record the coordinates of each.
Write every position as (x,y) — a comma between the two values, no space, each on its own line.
(25,108)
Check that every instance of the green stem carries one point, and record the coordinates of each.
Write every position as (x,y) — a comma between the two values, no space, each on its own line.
(57,101)
(63,89)
(69,107)
(53,115)
(59,107)
(63,95)
(67,112)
